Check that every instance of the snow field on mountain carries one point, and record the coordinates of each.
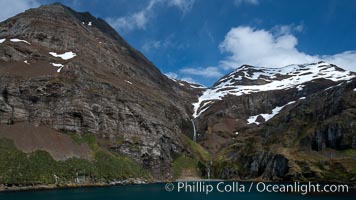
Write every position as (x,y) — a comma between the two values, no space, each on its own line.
(267,116)
(292,76)
(64,56)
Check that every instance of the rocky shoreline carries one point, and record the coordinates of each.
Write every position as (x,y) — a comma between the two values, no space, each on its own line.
(130,181)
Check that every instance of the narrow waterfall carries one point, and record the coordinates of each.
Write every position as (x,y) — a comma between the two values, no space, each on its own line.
(208,173)
(209,168)
(195,131)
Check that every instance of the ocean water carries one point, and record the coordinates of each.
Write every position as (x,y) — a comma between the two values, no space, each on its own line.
(159,191)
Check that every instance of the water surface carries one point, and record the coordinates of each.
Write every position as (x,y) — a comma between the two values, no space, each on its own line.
(157,192)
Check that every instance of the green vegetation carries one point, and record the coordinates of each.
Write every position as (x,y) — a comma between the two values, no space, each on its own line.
(183,163)
(219,168)
(119,140)
(193,164)
(340,171)
(136,139)
(110,166)
(222,162)
(348,152)
(197,150)
(221,156)
(89,139)
(19,168)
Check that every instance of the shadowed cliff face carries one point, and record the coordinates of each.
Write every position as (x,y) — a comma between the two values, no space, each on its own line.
(72,72)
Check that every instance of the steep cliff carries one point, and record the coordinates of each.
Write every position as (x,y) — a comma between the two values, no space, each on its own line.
(71,72)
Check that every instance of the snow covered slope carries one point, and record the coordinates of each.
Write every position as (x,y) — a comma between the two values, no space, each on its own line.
(249,79)
(188,84)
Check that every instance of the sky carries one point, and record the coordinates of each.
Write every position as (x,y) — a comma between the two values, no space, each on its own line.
(202,40)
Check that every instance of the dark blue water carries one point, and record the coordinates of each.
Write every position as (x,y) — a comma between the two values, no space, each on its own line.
(158,192)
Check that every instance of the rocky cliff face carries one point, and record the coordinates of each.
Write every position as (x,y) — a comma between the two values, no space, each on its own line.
(293,123)
(73,73)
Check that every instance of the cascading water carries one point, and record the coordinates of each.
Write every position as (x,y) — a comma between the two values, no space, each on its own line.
(208,173)
(209,168)
(195,131)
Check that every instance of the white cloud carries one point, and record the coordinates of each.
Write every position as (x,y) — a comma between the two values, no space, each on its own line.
(171,75)
(141,18)
(167,42)
(184,5)
(346,60)
(251,2)
(151,44)
(190,80)
(287,29)
(11,7)
(210,72)
(274,48)
(137,20)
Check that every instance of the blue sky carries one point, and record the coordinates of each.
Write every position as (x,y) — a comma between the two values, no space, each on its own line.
(201,40)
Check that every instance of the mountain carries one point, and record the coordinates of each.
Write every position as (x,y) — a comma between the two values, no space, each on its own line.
(291,123)
(249,79)
(68,79)
(80,106)
(194,89)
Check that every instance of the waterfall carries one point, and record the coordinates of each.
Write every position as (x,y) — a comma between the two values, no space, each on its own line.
(195,131)
(208,173)
(209,167)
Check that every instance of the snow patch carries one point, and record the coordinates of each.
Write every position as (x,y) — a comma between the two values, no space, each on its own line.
(252,119)
(2,40)
(64,56)
(339,84)
(328,88)
(89,23)
(300,87)
(266,116)
(354,90)
(333,86)
(197,86)
(26,62)
(129,82)
(302,98)
(191,84)
(19,40)
(60,66)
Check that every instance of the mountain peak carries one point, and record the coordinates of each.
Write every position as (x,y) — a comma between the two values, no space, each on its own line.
(249,79)
(59,29)
(53,9)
